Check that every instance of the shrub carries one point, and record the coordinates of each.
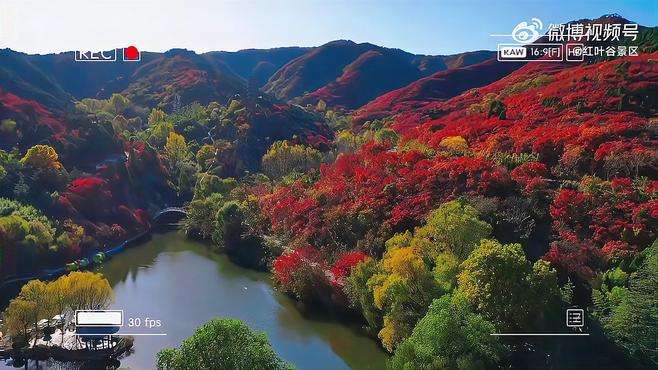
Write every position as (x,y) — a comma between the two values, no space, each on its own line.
(222,344)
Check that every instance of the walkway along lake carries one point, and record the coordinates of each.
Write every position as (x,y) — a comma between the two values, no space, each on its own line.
(183,284)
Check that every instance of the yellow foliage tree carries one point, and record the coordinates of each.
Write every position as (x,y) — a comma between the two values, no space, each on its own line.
(321,106)
(89,291)
(43,157)
(59,292)
(284,158)
(39,300)
(456,144)
(35,291)
(18,317)
(176,149)
(403,290)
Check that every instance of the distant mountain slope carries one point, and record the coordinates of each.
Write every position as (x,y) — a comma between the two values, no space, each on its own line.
(314,69)
(468,58)
(443,85)
(185,75)
(439,86)
(362,80)
(55,80)
(22,77)
(257,64)
(33,93)
(346,74)
(85,79)
(374,73)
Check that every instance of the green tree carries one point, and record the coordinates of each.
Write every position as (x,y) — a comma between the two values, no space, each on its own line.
(386,134)
(8,127)
(233,234)
(117,104)
(29,213)
(228,217)
(629,312)
(200,220)
(207,184)
(453,227)
(446,270)
(13,230)
(158,133)
(348,142)
(450,336)
(206,157)
(222,344)
(156,116)
(500,282)
(497,108)
(40,234)
(361,293)
(234,106)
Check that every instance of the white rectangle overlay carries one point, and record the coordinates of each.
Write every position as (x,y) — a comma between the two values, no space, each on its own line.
(535,52)
(99,318)
(514,52)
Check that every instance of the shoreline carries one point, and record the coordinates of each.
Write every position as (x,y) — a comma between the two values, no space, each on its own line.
(57,353)
(47,274)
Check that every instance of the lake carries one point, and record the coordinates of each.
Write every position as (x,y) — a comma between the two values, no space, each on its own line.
(184,284)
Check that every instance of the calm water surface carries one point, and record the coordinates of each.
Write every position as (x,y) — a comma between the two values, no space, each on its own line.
(183,284)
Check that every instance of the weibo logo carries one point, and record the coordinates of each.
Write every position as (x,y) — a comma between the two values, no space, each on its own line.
(524,32)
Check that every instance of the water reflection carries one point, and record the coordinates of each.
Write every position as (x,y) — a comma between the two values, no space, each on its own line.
(184,284)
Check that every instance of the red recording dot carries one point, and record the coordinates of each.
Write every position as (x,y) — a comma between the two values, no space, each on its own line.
(131,53)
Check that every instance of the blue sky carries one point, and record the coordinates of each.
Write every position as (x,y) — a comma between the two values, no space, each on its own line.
(427,27)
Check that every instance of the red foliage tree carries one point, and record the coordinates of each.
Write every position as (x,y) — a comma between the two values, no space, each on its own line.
(287,264)
(344,265)
(573,122)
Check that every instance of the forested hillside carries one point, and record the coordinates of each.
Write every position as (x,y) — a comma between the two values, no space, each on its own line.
(455,198)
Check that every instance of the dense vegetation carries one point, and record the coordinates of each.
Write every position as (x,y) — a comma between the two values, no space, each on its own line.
(520,198)
(436,216)
(92,188)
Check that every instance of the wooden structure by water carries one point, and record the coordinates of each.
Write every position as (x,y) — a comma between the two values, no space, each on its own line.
(120,346)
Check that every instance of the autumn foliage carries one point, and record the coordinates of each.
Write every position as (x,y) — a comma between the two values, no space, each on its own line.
(576,140)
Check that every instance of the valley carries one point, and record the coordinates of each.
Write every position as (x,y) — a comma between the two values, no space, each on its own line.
(340,206)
